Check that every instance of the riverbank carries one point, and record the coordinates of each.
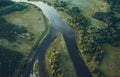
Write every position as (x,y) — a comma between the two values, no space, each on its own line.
(57,59)
(92,39)
(58,25)
(36,69)
(95,28)
(41,36)
(35,23)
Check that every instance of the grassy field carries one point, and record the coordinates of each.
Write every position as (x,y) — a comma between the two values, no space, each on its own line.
(58,47)
(111,61)
(89,6)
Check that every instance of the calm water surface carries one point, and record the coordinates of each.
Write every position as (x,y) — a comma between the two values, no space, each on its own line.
(70,36)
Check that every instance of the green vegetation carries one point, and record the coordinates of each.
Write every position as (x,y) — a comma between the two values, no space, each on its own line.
(77,17)
(91,41)
(18,23)
(105,17)
(98,56)
(12,8)
(90,45)
(97,22)
(93,52)
(9,61)
(5,3)
(10,31)
(114,5)
(57,60)
(112,15)
(54,62)
(110,63)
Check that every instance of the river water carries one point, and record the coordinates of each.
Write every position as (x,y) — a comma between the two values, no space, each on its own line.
(69,34)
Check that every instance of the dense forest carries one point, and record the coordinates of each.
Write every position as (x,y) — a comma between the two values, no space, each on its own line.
(9,61)
(5,3)
(7,7)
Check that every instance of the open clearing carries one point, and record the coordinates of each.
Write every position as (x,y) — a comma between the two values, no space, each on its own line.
(111,61)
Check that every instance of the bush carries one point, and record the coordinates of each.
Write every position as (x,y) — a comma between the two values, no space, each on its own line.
(105,17)
(73,11)
(56,70)
(83,20)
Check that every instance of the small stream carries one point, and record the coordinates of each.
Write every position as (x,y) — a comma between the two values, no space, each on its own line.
(70,36)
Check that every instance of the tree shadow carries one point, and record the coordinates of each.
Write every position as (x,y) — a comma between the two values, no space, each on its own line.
(9,61)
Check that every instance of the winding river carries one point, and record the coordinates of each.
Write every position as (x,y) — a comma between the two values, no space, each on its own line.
(69,34)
